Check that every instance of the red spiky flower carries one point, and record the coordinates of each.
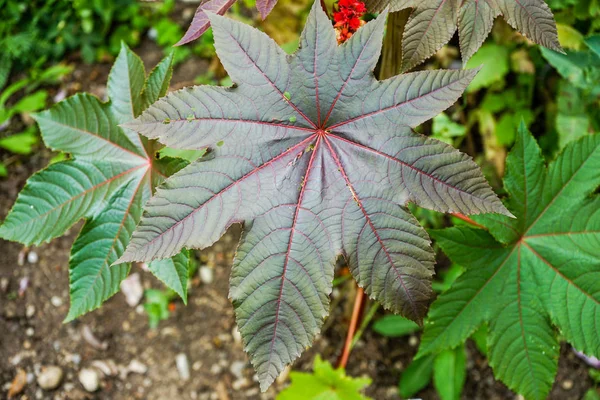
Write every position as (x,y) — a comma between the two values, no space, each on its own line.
(348,18)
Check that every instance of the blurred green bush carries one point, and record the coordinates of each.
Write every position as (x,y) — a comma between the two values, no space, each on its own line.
(35,32)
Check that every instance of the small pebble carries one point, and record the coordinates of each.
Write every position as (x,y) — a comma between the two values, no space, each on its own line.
(56,301)
(568,384)
(50,377)
(237,369)
(241,383)
(90,379)
(107,367)
(74,358)
(29,332)
(197,365)
(137,367)
(132,288)
(216,369)
(207,274)
(413,341)
(4,284)
(183,366)
(237,336)
(27,345)
(32,257)
(30,310)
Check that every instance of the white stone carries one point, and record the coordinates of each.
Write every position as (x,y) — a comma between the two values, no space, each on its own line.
(183,366)
(32,257)
(207,274)
(237,369)
(132,288)
(90,379)
(30,310)
(50,377)
(56,301)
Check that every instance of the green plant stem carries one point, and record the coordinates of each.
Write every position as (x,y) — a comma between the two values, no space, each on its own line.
(365,322)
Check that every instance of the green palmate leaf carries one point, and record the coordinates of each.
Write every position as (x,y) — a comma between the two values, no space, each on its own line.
(538,271)
(433,23)
(112,173)
(450,372)
(325,383)
(318,159)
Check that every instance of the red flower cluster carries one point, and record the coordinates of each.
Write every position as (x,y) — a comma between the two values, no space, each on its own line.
(347,18)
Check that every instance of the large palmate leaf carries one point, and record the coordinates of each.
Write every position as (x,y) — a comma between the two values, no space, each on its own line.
(432,24)
(112,173)
(318,159)
(538,271)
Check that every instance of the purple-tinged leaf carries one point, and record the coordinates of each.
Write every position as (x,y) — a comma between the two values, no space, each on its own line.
(475,21)
(265,6)
(200,23)
(534,19)
(432,24)
(317,158)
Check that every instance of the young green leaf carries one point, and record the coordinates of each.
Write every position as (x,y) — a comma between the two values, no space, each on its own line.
(395,326)
(324,383)
(416,376)
(432,24)
(112,173)
(536,271)
(337,181)
(173,272)
(450,372)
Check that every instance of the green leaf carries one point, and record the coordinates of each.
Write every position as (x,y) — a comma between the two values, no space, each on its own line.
(448,278)
(416,376)
(572,122)
(495,65)
(446,130)
(480,339)
(126,83)
(20,143)
(283,178)
(450,372)
(325,383)
(581,68)
(593,43)
(110,175)
(156,304)
(3,170)
(537,272)
(569,37)
(189,155)
(173,272)
(31,103)
(395,326)
(591,394)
